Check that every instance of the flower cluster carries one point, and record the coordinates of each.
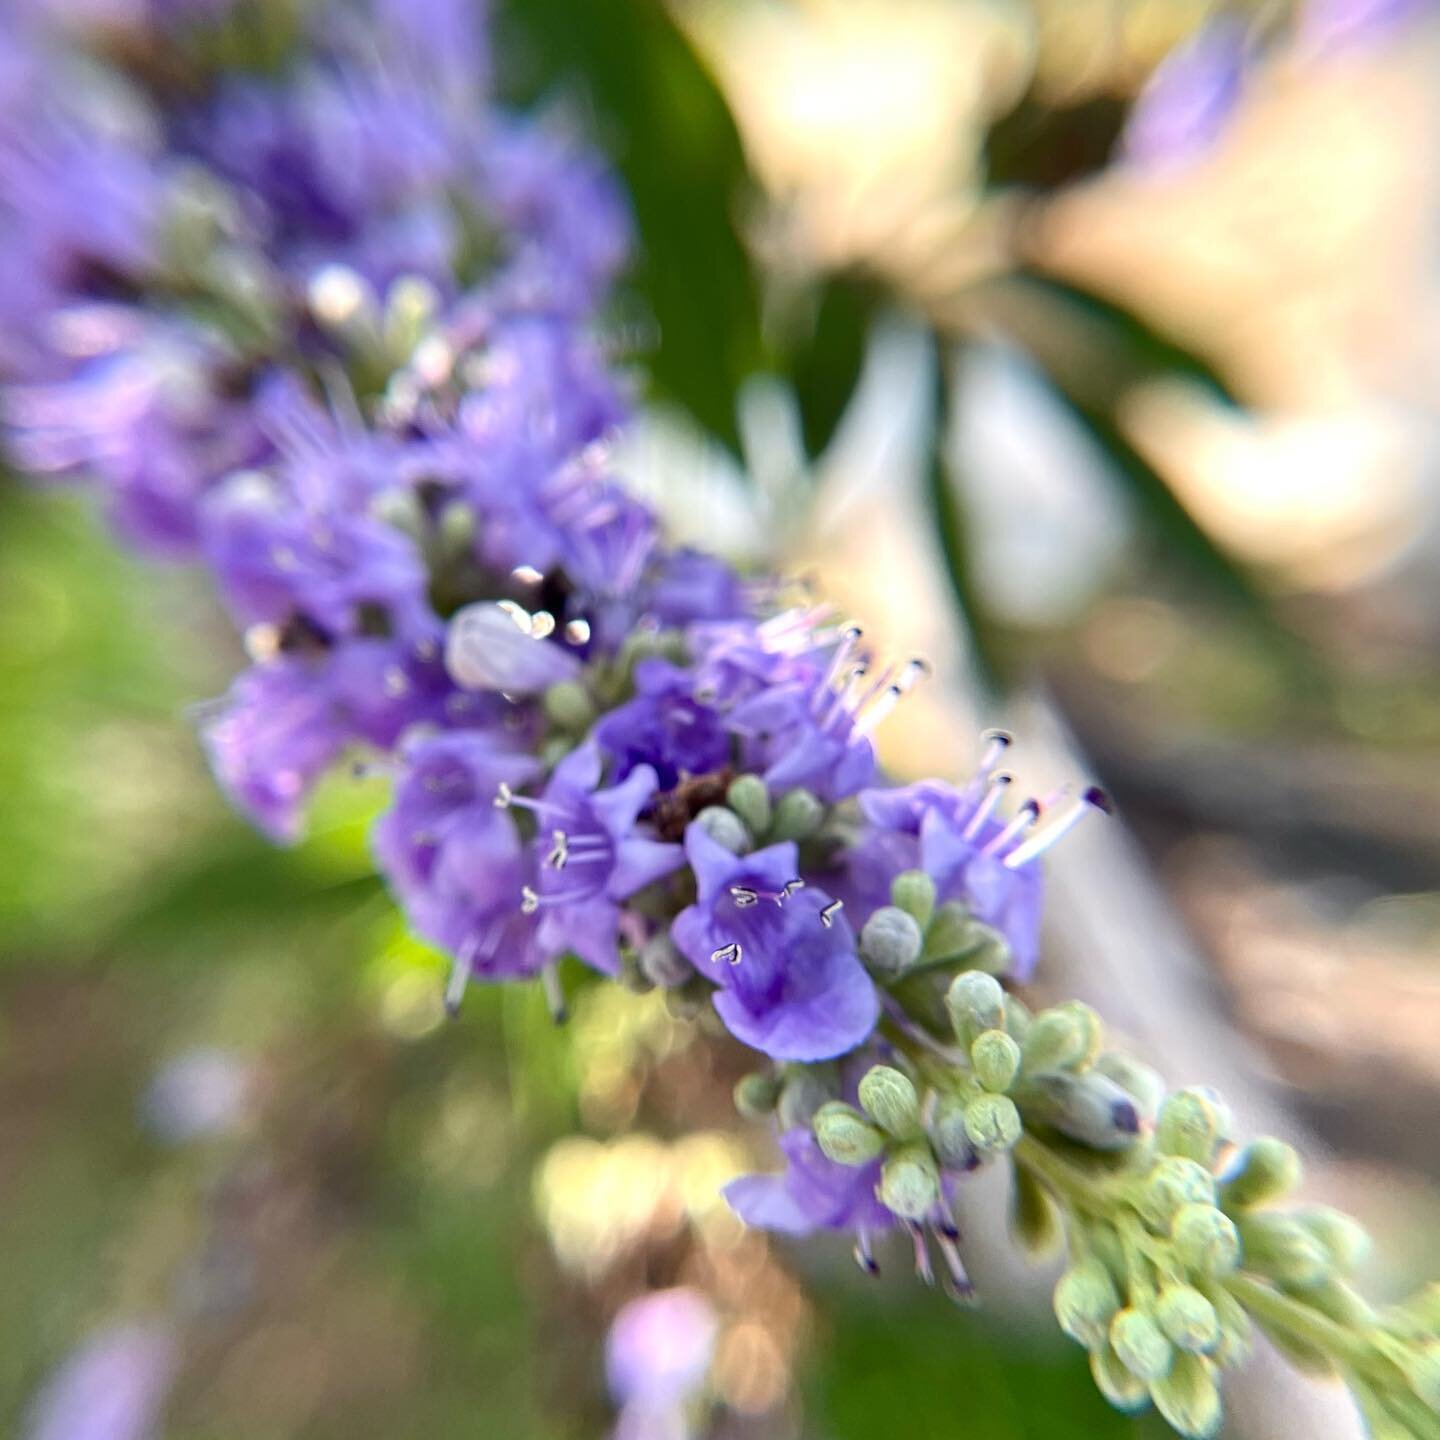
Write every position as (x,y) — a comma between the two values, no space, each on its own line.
(329,321)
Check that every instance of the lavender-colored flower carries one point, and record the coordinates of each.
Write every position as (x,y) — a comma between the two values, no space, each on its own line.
(112,1388)
(454,857)
(1333,25)
(659,1347)
(688,586)
(811,1193)
(278,731)
(664,727)
(782,954)
(593,855)
(276,563)
(1187,101)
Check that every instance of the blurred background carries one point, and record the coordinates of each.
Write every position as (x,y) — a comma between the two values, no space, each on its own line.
(1090,348)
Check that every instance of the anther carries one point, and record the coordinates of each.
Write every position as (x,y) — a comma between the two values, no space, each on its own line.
(789,888)
(997,742)
(828,914)
(560,851)
(744,896)
(864,1255)
(871,719)
(1029,813)
(1093,799)
(504,795)
(999,783)
(529,900)
(730,954)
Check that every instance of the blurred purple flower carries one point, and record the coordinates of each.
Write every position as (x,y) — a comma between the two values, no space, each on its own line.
(1189,98)
(811,1193)
(111,1388)
(196,1094)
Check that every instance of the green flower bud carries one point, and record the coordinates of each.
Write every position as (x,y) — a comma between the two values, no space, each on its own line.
(948,1137)
(954,934)
(1173,1183)
(1188,1318)
(1422,1372)
(845,1135)
(1034,1218)
(1065,1037)
(993,1123)
(568,705)
(1085,1302)
(757,1094)
(910,1181)
(995,1057)
(1189,1398)
(1205,1239)
(750,800)
(797,816)
(1192,1123)
(806,1089)
(1340,1302)
(1138,1081)
(1343,1239)
(1280,1247)
(1126,1392)
(914,892)
(662,963)
(976,1002)
(1236,1332)
(1088,1108)
(1265,1170)
(890,942)
(725,828)
(1017,1017)
(1141,1344)
(889,1099)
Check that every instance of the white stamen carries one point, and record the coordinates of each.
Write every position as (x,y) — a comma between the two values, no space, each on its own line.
(1066,821)
(876,714)
(849,638)
(997,742)
(730,953)
(986,808)
(828,914)
(1029,813)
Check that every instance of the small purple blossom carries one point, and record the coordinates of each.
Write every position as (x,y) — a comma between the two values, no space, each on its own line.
(593,855)
(811,1193)
(112,1388)
(791,984)
(664,727)
(659,1347)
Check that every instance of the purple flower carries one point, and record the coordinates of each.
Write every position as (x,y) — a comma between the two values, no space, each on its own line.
(594,855)
(1188,100)
(811,1193)
(455,859)
(276,562)
(664,727)
(112,1388)
(688,586)
(278,732)
(783,956)
(659,1347)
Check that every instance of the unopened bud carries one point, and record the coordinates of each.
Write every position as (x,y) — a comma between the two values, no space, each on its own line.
(890,1100)
(1137,1080)
(1189,1398)
(1087,1108)
(568,706)
(976,1002)
(725,828)
(948,1136)
(662,963)
(1141,1344)
(1126,1392)
(1018,1018)
(750,800)
(1065,1037)
(1188,1318)
(995,1057)
(1085,1302)
(890,942)
(806,1089)
(1236,1331)
(1343,1239)
(1205,1240)
(845,1135)
(993,1123)
(1192,1123)
(1173,1183)
(914,892)
(757,1094)
(797,816)
(1264,1170)
(910,1181)
(1280,1247)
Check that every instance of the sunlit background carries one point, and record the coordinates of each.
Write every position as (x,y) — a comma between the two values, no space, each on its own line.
(1090,348)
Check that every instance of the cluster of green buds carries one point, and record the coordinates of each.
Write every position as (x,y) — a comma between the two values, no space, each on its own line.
(749,818)
(914,940)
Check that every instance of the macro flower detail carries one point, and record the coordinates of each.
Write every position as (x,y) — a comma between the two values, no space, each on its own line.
(790,982)
(811,1193)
